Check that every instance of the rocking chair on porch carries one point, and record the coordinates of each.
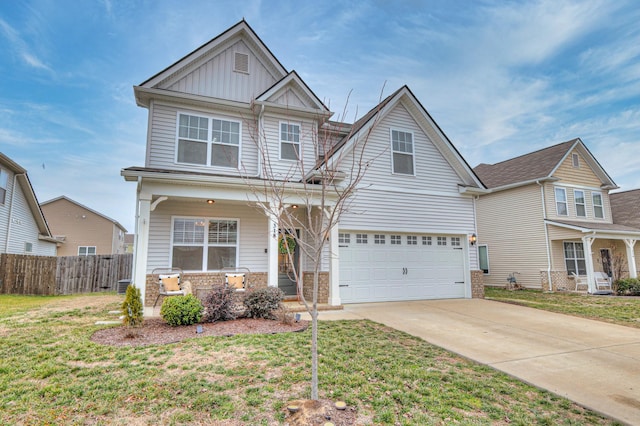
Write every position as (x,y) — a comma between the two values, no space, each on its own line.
(169,282)
(580,281)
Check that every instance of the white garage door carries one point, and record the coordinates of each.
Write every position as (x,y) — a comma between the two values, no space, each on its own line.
(392,267)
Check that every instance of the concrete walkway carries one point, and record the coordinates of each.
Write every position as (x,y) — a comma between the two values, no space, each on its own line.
(592,363)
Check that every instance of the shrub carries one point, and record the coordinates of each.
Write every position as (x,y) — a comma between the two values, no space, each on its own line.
(219,305)
(181,310)
(261,303)
(132,310)
(628,287)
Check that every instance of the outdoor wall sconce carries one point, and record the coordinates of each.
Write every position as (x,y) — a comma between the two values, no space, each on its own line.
(211,201)
(294,206)
(472,239)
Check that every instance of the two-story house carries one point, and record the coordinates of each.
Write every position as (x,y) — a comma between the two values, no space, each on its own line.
(228,117)
(547,216)
(85,231)
(23,228)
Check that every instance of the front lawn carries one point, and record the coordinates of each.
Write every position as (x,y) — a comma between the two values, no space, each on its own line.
(614,309)
(51,373)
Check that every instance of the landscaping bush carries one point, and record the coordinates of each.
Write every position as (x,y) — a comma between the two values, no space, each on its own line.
(219,305)
(181,310)
(263,302)
(628,287)
(132,310)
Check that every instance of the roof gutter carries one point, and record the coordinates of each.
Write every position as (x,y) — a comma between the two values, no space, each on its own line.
(523,183)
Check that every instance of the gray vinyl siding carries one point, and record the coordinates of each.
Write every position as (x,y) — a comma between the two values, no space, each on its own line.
(163,142)
(4,211)
(253,228)
(427,203)
(511,224)
(23,226)
(286,168)
(216,78)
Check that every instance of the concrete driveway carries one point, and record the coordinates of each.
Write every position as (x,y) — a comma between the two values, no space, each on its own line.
(592,363)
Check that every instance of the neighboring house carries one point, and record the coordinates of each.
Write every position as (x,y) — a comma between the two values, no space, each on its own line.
(129,239)
(548,215)
(84,231)
(23,228)
(212,116)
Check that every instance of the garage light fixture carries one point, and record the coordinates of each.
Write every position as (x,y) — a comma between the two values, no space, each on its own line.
(472,239)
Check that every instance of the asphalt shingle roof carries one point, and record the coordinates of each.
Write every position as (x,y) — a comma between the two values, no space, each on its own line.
(625,207)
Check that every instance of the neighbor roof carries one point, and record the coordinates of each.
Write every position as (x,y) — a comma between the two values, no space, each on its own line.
(625,207)
(62,197)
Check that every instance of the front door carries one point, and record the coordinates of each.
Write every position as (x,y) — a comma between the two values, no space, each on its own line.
(286,263)
(605,255)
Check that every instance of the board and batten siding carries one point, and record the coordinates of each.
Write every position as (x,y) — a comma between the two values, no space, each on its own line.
(161,152)
(511,224)
(427,203)
(216,77)
(253,228)
(24,228)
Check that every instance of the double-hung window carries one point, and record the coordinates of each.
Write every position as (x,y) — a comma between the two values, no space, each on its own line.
(289,141)
(561,202)
(86,250)
(200,244)
(402,152)
(578,197)
(208,141)
(3,185)
(598,208)
(574,258)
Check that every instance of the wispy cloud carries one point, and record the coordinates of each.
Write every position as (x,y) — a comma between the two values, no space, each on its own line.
(21,48)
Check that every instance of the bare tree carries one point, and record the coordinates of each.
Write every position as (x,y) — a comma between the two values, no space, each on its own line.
(320,191)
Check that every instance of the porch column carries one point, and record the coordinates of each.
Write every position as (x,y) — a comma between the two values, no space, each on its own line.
(272,250)
(334,268)
(588,258)
(141,249)
(631,258)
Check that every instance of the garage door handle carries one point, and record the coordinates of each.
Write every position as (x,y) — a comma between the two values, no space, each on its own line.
(459,282)
(343,285)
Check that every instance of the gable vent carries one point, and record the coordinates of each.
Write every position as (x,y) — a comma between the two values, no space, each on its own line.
(241,63)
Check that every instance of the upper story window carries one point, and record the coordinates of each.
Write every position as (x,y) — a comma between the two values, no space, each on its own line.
(402,152)
(561,202)
(289,141)
(200,244)
(578,196)
(598,208)
(3,185)
(208,141)
(575,158)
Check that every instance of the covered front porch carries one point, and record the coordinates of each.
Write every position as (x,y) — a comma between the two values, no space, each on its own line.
(583,255)
(221,224)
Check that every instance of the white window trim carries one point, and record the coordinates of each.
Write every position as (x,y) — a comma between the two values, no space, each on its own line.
(599,205)
(566,201)
(87,247)
(205,243)
(564,256)
(280,141)
(209,140)
(576,204)
(413,151)
(486,246)
(4,176)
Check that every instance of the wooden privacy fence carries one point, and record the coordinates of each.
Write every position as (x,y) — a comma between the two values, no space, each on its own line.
(46,275)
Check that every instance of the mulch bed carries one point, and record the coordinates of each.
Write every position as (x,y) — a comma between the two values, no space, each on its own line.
(154,331)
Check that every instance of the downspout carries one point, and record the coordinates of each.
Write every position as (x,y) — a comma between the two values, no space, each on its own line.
(546,235)
(13,196)
(260,133)
(135,236)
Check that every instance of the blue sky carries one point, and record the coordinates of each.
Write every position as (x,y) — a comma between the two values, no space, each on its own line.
(501,78)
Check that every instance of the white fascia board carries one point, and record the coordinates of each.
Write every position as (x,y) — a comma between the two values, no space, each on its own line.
(144,96)
(611,234)
(287,109)
(523,183)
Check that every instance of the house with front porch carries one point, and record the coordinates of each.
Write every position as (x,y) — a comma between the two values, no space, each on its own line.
(547,218)
(228,117)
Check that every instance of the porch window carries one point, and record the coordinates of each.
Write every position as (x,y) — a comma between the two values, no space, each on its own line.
(561,202)
(200,244)
(574,258)
(289,141)
(598,209)
(402,152)
(483,258)
(3,185)
(208,141)
(581,210)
